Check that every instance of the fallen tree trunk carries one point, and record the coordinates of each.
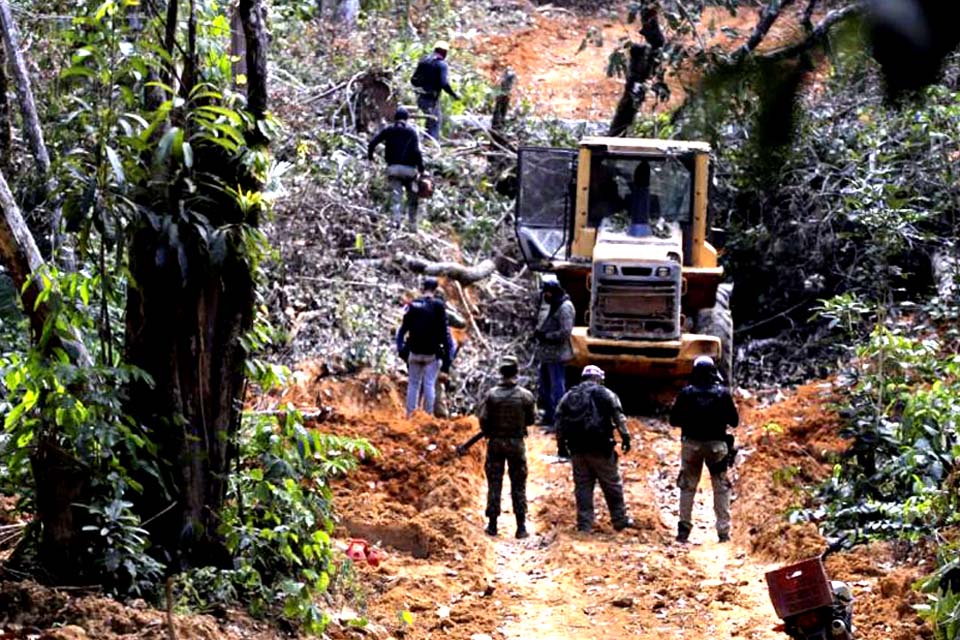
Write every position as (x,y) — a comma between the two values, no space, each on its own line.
(452,270)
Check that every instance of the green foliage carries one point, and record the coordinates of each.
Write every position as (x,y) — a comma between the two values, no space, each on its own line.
(902,410)
(279,519)
(78,409)
(942,608)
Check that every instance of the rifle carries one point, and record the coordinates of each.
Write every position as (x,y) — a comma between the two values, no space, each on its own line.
(463,448)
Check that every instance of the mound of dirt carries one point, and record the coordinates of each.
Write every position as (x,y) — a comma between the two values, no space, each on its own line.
(31,611)
(787,443)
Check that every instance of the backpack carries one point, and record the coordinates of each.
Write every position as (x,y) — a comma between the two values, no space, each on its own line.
(424,324)
(582,425)
(421,73)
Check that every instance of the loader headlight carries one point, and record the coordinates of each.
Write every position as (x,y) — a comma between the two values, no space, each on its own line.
(663,272)
(610,269)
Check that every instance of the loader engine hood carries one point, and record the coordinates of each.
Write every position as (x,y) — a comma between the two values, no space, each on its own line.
(666,245)
(635,288)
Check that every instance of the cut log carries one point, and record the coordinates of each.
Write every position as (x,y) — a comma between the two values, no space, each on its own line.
(453,270)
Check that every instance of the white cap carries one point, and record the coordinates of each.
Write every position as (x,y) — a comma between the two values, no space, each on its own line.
(592,371)
(703,361)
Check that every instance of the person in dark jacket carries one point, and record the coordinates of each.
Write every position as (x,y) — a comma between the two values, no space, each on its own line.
(422,342)
(553,348)
(430,79)
(587,416)
(703,410)
(505,414)
(404,164)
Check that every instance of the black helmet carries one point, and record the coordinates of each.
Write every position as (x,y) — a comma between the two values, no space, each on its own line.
(401,114)
(429,284)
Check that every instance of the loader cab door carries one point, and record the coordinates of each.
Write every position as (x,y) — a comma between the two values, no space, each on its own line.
(545,204)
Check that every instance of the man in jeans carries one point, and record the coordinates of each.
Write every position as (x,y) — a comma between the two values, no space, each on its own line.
(422,342)
(431,79)
(404,164)
(553,348)
(703,410)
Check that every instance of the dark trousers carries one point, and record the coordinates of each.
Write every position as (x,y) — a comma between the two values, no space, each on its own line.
(588,469)
(552,386)
(512,453)
(430,106)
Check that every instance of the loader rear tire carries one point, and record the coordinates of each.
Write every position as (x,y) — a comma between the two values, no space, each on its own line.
(717,321)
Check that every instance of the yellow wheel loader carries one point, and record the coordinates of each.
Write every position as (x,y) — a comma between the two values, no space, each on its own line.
(622,223)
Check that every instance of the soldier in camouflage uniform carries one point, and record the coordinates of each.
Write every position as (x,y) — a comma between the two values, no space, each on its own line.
(587,416)
(505,414)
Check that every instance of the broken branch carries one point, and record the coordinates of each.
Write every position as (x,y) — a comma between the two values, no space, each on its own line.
(452,270)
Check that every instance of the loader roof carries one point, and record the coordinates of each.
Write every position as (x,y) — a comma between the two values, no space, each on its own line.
(645,144)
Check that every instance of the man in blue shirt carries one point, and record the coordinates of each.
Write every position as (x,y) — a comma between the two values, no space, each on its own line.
(431,79)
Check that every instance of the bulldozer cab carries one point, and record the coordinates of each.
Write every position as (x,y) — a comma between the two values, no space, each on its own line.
(645,189)
(622,223)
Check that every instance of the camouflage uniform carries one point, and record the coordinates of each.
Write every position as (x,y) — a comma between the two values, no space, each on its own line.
(504,416)
(596,462)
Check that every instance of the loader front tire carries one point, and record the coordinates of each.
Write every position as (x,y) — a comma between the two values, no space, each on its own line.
(717,321)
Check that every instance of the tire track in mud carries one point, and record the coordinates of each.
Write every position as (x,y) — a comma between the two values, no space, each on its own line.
(561,584)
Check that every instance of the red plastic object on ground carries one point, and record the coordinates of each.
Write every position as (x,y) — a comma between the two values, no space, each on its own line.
(799,587)
(359,550)
(374,556)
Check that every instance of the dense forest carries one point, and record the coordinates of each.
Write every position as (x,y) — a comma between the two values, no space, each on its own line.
(201,281)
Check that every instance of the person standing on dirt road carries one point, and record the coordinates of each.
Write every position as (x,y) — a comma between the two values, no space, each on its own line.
(505,414)
(430,79)
(553,348)
(703,410)
(404,164)
(422,342)
(587,416)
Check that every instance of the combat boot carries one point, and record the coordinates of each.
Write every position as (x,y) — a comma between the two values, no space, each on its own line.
(491,529)
(522,528)
(683,531)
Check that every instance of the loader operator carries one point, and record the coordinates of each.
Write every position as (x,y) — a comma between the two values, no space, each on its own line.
(586,418)
(553,349)
(703,410)
(430,79)
(404,165)
(505,414)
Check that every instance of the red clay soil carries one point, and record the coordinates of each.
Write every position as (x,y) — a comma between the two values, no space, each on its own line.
(558,80)
(425,507)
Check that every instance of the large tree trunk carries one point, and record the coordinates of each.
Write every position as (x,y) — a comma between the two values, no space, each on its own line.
(642,65)
(6,137)
(28,109)
(186,315)
(46,230)
(60,481)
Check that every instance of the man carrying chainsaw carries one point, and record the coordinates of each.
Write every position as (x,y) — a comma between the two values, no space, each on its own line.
(404,164)
(586,418)
(505,414)
(703,410)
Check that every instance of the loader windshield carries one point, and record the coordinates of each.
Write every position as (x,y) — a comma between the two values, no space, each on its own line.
(633,191)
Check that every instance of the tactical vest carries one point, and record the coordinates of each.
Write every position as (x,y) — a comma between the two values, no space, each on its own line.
(505,412)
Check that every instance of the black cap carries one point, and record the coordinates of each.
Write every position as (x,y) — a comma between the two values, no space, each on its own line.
(401,114)
(430,284)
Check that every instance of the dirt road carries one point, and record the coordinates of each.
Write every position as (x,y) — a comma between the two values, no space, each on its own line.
(426,507)
(562,584)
